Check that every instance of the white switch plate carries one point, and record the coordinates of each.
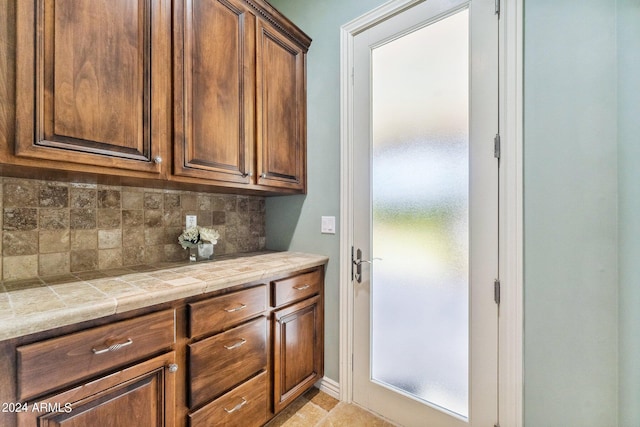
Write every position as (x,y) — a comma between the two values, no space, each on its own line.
(328,225)
(192,221)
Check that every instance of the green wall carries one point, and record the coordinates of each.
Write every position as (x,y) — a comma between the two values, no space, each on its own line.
(293,222)
(570,223)
(629,208)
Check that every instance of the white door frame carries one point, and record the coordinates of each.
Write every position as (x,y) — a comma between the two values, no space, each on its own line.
(511,202)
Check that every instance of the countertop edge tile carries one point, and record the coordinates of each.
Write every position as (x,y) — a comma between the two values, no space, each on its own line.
(19,326)
(225,273)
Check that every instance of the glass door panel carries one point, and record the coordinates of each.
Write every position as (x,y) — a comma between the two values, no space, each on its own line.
(420,215)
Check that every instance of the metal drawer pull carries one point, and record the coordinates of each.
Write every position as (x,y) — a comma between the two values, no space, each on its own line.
(236,345)
(231,310)
(303,287)
(238,406)
(114,347)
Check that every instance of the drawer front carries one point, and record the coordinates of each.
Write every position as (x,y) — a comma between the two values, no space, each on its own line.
(244,406)
(297,287)
(220,313)
(62,361)
(223,361)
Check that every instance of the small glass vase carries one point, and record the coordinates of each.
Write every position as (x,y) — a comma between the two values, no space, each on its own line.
(193,253)
(205,251)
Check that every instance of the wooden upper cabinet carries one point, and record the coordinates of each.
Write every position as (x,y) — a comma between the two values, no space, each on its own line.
(281,109)
(90,90)
(206,92)
(214,90)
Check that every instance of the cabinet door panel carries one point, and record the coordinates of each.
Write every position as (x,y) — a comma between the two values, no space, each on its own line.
(281,110)
(298,350)
(91,100)
(216,86)
(98,59)
(143,395)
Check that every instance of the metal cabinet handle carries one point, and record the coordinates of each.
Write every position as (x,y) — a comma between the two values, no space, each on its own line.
(114,347)
(173,368)
(157,160)
(236,345)
(302,288)
(235,408)
(263,175)
(248,174)
(231,310)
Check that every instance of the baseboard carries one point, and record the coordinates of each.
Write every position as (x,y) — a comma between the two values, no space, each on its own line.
(329,386)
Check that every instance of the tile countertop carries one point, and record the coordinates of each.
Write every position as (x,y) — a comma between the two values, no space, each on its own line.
(40,304)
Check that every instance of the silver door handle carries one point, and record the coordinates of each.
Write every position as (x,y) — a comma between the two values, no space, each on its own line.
(357,261)
(368,261)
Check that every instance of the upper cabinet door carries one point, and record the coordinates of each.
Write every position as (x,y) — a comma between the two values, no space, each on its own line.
(214,90)
(89,89)
(281,109)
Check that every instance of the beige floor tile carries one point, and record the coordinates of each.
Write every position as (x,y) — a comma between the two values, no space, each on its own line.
(344,415)
(318,409)
(321,399)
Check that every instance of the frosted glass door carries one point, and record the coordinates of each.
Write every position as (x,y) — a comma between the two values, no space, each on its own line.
(420,213)
(425,214)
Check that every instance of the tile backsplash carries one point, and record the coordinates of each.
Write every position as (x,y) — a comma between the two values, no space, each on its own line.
(51,228)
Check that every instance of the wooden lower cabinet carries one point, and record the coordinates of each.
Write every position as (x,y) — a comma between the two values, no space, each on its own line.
(142,395)
(236,358)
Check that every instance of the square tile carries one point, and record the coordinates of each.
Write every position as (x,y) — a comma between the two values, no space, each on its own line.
(84,260)
(54,196)
(54,263)
(84,239)
(15,243)
(21,219)
(109,239)
(19,267)
(132,200)
(53,219)
(54,241)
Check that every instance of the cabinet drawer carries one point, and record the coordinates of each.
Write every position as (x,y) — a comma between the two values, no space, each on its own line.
(62,361)
(219,313)
(244,406)
(296,288)
(219,363)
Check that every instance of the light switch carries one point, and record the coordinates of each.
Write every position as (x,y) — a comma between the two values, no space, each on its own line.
(192,221)
(328,225)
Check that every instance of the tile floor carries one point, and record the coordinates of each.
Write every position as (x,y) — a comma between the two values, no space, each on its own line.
(317,409)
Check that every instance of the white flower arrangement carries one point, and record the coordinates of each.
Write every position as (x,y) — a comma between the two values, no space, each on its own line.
(191,237)
(209,234)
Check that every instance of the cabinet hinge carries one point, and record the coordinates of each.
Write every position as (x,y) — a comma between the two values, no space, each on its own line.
(498,13)
(496,291)
(496,146)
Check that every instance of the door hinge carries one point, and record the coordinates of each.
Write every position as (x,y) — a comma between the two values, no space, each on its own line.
(498,8)
(496,291)
(496,146)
